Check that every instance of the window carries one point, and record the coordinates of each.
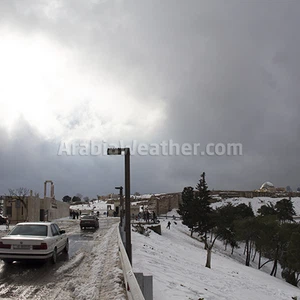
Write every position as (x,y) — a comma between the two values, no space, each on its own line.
(57,228)
(88,218)
(54,230)
(36,230)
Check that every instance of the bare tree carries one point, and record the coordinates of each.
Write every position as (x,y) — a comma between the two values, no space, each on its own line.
(20,194)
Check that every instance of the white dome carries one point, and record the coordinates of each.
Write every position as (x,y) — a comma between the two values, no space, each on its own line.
(267,185)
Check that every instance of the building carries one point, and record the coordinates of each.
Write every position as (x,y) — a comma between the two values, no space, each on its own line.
(32,208)
(267,187)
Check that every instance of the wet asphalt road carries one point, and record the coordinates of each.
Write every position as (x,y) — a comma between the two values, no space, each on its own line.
(29,277)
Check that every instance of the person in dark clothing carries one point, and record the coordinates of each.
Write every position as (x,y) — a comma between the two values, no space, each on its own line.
(147,216)
(154,217)
(169,224)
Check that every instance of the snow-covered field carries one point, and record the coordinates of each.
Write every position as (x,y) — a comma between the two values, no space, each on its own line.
(97,205)
(257,202)
(177,263)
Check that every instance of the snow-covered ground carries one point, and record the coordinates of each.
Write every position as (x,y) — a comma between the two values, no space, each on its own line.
(177,263)
(257,202)
(97,205)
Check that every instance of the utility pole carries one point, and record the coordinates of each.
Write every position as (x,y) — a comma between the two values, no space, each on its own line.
(127,205)
(118,151)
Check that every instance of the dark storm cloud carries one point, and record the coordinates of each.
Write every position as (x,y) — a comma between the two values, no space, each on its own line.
(27,160)
(227,71)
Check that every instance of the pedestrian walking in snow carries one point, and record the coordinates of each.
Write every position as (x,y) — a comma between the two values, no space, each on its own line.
(169,224)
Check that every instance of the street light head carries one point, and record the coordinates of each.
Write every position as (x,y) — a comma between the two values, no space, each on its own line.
(118,187)
(114,151)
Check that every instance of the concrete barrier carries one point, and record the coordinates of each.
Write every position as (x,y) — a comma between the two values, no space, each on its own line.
(146,285)
(132,287)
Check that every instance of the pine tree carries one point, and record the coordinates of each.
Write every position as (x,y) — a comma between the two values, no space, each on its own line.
(246,230)
(285,210)
(204,215)
(267,210)
(202,207)
(293,257)
(290,249)
(186,208)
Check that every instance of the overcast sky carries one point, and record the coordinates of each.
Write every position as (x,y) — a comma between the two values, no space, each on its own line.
(148,72)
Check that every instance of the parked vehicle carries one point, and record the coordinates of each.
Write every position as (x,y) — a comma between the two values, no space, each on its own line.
(33,241)
(89,221)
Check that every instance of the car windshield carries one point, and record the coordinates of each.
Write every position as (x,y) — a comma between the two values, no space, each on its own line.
(88,217)
(37,230)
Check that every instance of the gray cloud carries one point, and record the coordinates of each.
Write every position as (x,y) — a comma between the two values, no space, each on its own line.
(226,71)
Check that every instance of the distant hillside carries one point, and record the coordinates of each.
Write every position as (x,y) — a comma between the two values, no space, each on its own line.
(257,202)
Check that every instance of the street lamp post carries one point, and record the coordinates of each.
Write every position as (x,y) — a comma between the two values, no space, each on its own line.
(118,151)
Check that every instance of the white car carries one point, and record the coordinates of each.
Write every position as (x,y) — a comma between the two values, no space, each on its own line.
(33,241)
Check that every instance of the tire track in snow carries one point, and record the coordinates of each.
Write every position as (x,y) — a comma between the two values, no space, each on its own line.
(98,276)
(84,276)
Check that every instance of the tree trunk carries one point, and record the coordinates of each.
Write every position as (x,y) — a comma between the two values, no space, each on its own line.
(265,263)
(259,259)
(247,254)
(274,269)
(205,241)
(208,257)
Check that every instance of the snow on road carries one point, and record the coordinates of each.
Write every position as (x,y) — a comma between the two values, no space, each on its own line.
(93,272)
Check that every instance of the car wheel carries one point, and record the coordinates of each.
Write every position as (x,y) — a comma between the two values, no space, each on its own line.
(66,249)
(54,256)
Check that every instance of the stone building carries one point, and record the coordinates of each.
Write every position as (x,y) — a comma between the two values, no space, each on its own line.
(163,203)
(32,208)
